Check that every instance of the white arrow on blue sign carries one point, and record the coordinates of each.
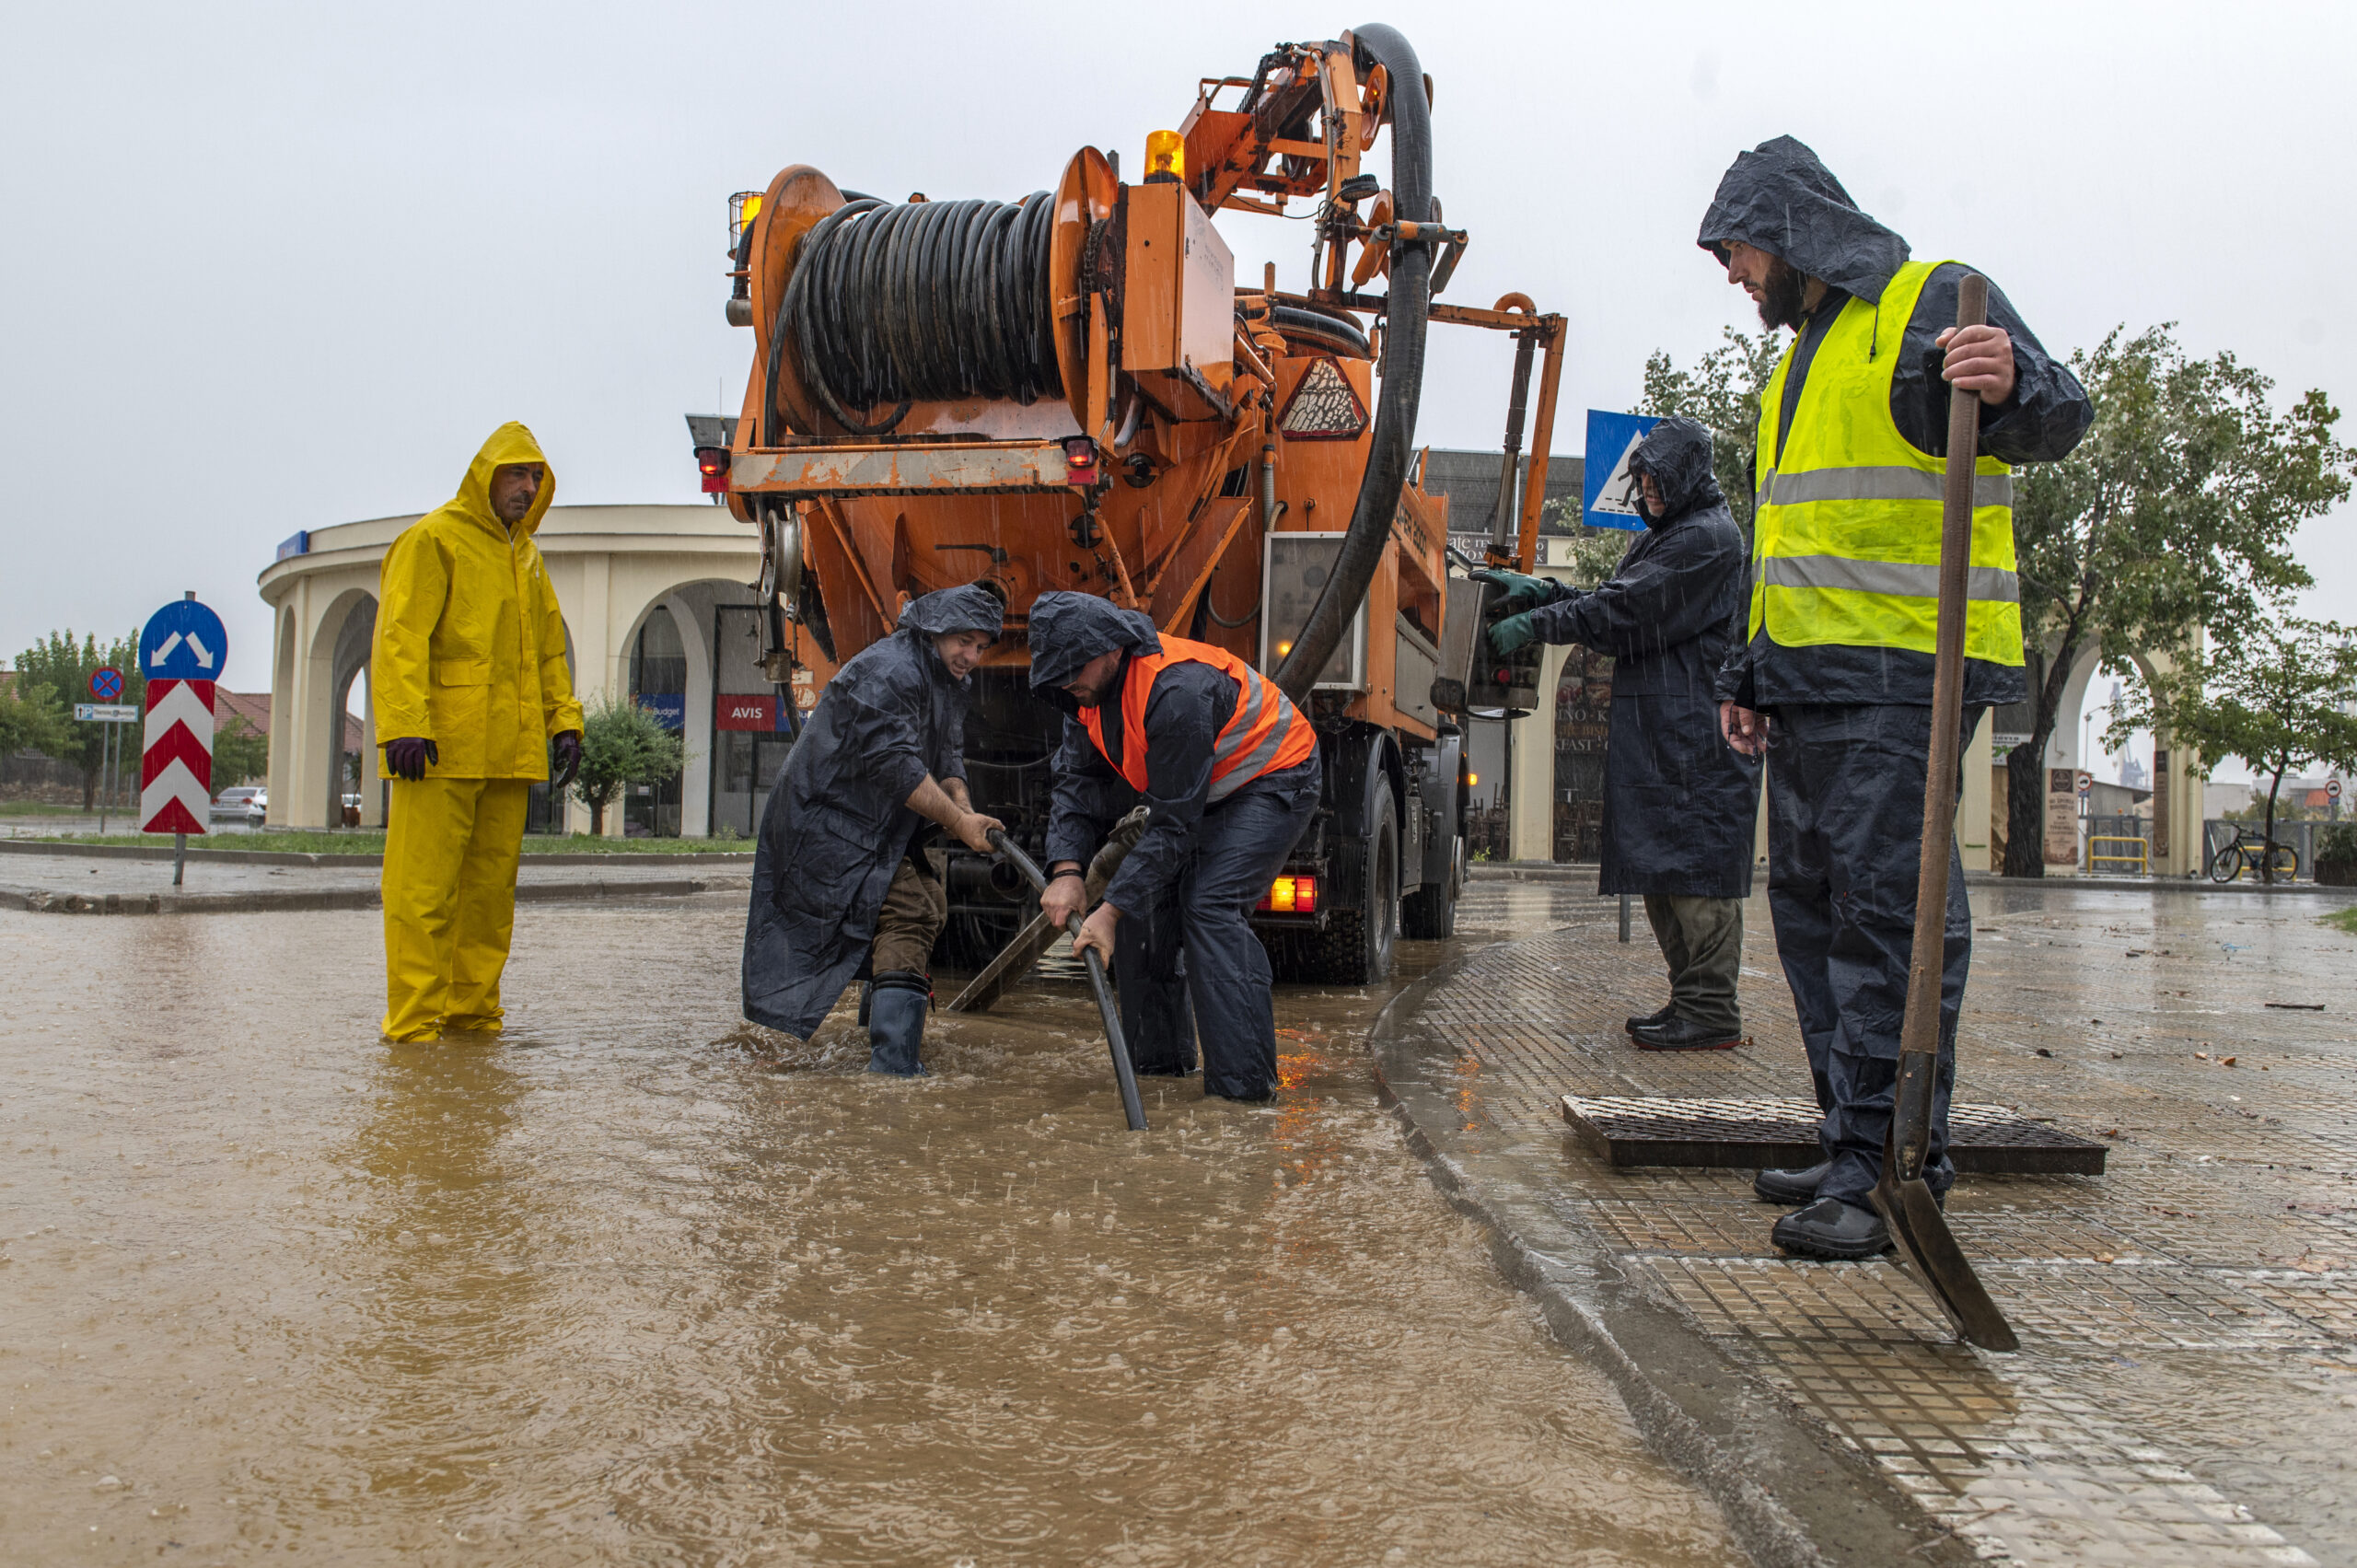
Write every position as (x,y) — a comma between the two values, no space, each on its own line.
(183,640)
(1610,498)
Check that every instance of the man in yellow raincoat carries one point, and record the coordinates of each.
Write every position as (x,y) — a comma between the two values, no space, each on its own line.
(471,688)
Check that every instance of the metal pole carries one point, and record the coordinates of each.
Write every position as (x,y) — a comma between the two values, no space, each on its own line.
(106,775)
(179,856)
(1625,917)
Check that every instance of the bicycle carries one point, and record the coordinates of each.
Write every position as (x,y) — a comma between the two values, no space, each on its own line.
(2254,853)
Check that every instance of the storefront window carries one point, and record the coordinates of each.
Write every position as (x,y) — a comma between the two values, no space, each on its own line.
(1583,719)
(659,682)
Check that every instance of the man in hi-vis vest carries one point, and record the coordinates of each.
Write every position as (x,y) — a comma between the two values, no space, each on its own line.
(1228,771)
(1834,683)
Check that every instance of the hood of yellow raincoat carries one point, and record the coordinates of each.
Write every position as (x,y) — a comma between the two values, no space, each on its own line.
(511,443)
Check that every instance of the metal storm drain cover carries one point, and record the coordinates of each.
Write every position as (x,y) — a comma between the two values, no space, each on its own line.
(1780,1133)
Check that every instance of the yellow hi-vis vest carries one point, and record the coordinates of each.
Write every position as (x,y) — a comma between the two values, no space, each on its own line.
(1846,539)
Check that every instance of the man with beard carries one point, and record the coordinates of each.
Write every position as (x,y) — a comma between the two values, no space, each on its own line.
(1679,805)
(1834,682)
(840,882)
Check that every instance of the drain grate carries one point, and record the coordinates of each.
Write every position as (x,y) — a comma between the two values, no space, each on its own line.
(1752,1133)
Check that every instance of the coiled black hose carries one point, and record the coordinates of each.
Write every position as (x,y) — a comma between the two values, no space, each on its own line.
(1321,330)
(928,300)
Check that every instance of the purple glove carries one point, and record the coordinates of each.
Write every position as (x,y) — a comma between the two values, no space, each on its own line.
(567,745)
(409,756)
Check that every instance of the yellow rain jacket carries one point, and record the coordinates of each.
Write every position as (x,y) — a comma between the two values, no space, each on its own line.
(470,649)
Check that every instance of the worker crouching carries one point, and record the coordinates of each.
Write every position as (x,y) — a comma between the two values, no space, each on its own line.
(1230,772)
(1680,806)
(470,687)
(841,881)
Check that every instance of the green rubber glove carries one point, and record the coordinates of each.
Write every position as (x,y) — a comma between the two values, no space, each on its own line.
(1512,633)
(1522,591)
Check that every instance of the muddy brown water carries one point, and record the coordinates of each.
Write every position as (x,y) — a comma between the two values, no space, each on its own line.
(632,1284)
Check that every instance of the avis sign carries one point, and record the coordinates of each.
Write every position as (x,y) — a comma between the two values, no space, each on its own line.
(180,652)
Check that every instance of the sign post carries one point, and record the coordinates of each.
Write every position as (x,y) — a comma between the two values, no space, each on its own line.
(181,652)
(105,685)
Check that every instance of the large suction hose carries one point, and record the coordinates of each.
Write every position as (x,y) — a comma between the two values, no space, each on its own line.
(1403,367)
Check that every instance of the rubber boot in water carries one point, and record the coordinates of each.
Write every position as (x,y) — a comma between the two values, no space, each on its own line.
(896,1022)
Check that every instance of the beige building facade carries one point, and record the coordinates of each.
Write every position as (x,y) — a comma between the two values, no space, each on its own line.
(650,596)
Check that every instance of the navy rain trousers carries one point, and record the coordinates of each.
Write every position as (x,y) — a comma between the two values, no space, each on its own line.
(1845,820)
(1190,966)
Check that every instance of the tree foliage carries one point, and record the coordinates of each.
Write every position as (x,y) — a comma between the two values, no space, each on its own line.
(62,668)
(621,743)
(28,718)
(2280,697)
(1722,393)
(2174,516)
(240,753)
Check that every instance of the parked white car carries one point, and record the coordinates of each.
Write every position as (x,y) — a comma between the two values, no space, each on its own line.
(242,803)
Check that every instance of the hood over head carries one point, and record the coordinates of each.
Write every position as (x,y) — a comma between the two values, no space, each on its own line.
(511,443)
(971,608)
(1677,452)
(1779,198)
(1068,630)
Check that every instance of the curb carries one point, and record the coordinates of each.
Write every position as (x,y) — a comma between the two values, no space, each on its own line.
(1794,1495)
(315,861)
(1545,871)
(45,902)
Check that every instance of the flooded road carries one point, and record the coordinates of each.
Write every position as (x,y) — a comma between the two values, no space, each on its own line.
(630,1285)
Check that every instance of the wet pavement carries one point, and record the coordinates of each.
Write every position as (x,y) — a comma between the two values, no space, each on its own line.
(631,1283)
(2186,1389)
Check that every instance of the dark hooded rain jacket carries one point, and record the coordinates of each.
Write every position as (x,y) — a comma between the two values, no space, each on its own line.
(1679,803)
(837,823)
(1779,198)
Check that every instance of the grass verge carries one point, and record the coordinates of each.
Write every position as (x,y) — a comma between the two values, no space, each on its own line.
(2343,920)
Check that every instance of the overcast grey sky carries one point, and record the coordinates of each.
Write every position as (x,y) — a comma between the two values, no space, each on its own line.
(275,267)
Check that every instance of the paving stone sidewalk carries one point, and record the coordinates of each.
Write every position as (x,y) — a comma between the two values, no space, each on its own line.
(2186,1392)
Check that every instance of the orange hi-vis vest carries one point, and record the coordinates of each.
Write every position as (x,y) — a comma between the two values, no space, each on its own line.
(1266,736)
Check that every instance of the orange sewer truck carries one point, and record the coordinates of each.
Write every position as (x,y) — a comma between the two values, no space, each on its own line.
(1073,392)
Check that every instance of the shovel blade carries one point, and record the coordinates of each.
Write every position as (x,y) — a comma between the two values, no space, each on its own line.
(1923,1234)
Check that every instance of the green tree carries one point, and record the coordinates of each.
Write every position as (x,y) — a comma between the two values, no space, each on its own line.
(240,753)
(1721,393)
(28,718)
(63,668)
(2280,697)
(621,743)
(2175,514)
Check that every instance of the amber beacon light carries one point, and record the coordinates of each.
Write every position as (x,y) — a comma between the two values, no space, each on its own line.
(1166,156)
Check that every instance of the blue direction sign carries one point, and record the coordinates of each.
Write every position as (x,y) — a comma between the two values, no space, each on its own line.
(1610,498)
(183,640)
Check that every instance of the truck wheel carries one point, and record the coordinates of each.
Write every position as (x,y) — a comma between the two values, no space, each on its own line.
(1355,946)
(1429,912)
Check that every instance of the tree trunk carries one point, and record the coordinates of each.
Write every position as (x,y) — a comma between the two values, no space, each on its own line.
(2266,851)
(2025,767)
(89,789)
(597,819)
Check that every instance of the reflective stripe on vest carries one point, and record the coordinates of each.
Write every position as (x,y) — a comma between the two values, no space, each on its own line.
(1846,536)
(1266,735)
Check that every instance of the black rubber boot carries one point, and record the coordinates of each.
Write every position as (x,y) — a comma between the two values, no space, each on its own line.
(1669,1011)
(1791,1186)
(1682,1034)
(1831,1228)
(896,1022)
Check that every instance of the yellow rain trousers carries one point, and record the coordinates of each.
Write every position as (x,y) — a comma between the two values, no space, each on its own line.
(470,653)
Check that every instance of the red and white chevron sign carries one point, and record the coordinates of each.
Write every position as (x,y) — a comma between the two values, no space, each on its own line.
(175,773)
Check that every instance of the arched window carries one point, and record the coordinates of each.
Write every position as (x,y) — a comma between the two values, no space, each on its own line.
(659,660)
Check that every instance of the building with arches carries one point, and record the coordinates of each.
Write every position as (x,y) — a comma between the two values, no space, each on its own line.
(655,606)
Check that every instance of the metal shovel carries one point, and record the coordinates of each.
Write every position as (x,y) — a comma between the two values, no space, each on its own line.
(1903,1197)
(1124,1073)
